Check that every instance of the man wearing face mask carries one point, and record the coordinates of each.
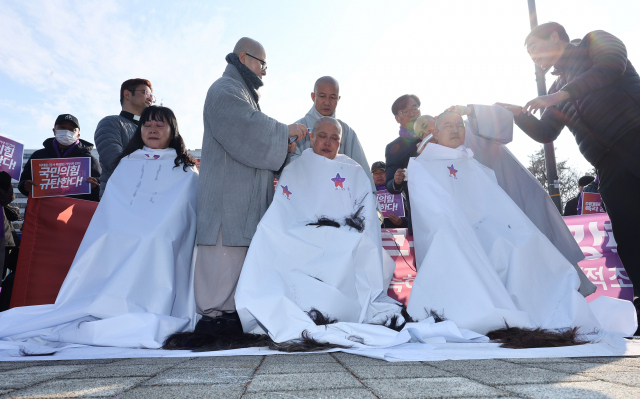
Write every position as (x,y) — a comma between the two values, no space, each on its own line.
(66,143)
(113,132)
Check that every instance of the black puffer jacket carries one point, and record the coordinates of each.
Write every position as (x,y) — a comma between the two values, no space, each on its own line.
(604,102)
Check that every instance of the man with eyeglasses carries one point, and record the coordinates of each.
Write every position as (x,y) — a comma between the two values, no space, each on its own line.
(241,148)
(113,132)
(406,110)
(325,97)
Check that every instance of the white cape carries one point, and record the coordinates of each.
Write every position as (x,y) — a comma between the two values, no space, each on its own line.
(483,262)
(487,139)
(131,282)
(292,268)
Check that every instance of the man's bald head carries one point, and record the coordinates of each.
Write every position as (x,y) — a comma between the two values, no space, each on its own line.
(450,130)
(248,45)
(326,80)
(326,137)
(325,95)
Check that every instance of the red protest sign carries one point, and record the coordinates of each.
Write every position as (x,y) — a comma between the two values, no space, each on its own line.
(59,177)
(591,203)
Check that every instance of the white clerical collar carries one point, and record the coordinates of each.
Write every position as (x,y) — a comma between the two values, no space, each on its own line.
(136,117)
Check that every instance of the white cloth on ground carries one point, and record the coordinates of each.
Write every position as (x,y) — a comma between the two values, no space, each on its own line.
(131,282)
(483,262)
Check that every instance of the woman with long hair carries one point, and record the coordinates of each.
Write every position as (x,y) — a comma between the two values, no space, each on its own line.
(131,282)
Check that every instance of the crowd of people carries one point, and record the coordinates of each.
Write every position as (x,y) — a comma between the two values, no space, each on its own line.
(217,258)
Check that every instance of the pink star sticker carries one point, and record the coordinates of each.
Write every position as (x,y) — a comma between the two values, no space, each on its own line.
(285,191)
(338,180)
(452,171)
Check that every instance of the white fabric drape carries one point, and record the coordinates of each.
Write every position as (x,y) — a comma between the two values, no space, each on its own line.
(131,282)
(482,261)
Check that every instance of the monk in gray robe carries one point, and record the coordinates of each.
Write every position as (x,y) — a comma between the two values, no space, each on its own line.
(325,97)
(240,150)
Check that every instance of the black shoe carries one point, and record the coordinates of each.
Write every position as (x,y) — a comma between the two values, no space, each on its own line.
(227,323)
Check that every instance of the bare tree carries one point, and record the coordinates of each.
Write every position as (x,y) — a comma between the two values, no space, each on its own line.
(567,176)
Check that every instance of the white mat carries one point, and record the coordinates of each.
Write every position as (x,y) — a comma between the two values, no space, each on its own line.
(608,345)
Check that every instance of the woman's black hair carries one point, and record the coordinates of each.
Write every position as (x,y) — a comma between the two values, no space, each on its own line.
(160,114)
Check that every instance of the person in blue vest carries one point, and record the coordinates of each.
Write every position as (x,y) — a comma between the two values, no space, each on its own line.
(66,143)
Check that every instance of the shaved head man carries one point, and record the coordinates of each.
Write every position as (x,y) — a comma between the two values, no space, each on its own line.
(326,137)
(241,148)
(252,55)
(450,130)
(325,97)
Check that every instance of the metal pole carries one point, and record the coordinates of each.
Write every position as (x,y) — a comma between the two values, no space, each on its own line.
(553,184)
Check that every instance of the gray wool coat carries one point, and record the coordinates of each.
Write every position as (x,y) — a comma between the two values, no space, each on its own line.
(112,136)
(241,148)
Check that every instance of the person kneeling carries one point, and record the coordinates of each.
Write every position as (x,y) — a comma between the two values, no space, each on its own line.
(483,263)
(131,282)
(315,259)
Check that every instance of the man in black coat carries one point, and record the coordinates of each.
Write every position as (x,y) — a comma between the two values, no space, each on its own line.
(597,96)
(571,207)
(406,110)
(66,143)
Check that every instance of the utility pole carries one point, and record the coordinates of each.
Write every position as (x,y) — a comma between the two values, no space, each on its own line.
(549,152)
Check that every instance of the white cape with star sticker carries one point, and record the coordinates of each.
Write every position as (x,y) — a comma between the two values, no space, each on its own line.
(482,262)
(292,268)
(131,282)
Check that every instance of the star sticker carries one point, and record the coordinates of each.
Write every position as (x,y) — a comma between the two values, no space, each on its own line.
(338,180)
(285,191)
(452,171)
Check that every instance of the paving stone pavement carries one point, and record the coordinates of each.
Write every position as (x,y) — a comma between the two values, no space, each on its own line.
(321,376)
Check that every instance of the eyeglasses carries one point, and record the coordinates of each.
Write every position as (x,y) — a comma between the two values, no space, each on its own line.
(262,63)
(408,111)
(147,94)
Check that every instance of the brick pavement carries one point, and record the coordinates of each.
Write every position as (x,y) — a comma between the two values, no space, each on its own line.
(335,375)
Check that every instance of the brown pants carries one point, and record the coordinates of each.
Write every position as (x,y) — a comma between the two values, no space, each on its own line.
(216,277)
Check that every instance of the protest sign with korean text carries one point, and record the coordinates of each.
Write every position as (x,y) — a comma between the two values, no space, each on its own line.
(11,153)
(58,177)
(591,203)
(390,204)
(602,264)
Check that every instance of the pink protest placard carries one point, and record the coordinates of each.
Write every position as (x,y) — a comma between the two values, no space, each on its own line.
(59,177)
(399,246)
(11,153)
(602,264)
(592,233)
(591,203)
(390,203)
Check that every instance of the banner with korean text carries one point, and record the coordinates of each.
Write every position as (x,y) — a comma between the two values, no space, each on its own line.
(592,233)
(58,177)
(592,203)
(390,203)
(602,264)
(11,153)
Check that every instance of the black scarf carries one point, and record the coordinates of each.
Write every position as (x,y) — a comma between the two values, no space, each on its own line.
(250,78)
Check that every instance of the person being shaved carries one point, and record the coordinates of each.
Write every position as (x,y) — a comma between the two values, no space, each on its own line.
(316,264)
(483,263)
(325,97)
